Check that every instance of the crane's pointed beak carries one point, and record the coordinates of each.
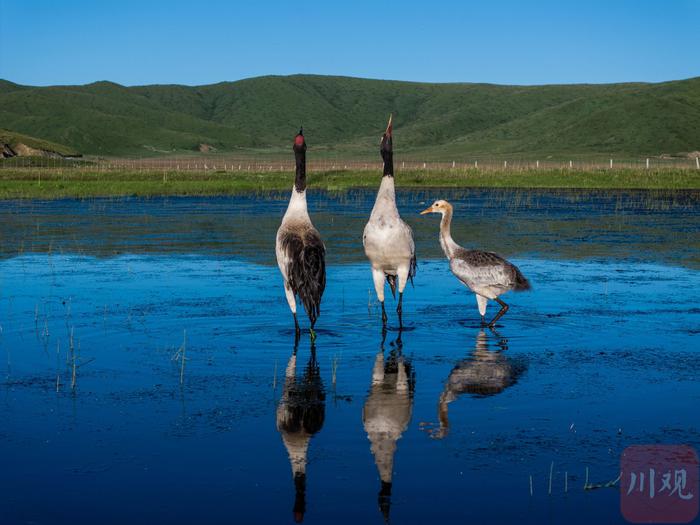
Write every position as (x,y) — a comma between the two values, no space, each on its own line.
(389,126)
(427,210)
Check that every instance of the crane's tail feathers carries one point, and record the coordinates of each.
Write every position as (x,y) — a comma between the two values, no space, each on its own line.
(307,274)
(521,283)
(412,269)
(391,279)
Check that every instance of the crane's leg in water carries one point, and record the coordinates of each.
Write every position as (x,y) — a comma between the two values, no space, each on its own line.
(501,313)
(481,302)
(378,278)
(399,310)
(402,274)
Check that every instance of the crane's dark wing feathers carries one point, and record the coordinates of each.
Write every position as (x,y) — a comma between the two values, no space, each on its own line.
(480,259)
(306,270)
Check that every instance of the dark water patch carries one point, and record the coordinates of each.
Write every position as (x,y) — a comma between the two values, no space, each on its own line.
(639,226)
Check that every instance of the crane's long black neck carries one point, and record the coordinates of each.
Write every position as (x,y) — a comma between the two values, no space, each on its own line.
(387,151)
(300,178)
(300,496)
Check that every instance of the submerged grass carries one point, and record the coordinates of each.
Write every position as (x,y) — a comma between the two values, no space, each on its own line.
(62,183)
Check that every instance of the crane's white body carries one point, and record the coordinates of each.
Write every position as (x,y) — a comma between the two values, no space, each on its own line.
(388,240)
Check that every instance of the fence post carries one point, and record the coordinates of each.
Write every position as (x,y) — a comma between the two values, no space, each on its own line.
(571,164)
(697,163)
(505,164)
(476,164)
(610,163)
(647,163)
(538,164)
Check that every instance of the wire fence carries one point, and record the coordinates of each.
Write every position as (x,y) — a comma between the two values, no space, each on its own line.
(258,165)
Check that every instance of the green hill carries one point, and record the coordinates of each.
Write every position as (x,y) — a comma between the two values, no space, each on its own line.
(16,140)
(347,115)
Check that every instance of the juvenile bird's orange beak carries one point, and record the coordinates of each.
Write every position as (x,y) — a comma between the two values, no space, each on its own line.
(427,210)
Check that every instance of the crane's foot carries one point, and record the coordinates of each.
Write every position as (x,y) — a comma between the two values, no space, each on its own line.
(501,313)
(384,317)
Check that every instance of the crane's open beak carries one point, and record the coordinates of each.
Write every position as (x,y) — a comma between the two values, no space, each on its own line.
(427,210)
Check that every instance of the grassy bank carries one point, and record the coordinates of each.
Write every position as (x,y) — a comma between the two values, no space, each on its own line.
(52,184)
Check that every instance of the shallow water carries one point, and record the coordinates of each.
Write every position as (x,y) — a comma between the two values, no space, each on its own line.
(602,354)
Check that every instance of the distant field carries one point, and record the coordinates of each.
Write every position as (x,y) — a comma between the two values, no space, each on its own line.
(82,183)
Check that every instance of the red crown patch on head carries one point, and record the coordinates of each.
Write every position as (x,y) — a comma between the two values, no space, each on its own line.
(299,140)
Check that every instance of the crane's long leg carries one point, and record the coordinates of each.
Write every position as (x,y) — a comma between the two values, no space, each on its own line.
(501,313)
(481,302)
(402,274)
(292,306)
(378,278)
(399,309)
(297,330)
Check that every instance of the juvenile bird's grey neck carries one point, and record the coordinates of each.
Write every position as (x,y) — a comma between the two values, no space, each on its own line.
(300,178)
(448,245)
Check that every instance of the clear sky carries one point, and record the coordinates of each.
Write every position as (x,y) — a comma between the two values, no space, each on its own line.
(200,42)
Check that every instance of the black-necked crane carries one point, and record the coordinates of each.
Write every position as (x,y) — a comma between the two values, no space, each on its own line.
(387,239)
(300,414)
(387,412)
(486,274)
(301,255)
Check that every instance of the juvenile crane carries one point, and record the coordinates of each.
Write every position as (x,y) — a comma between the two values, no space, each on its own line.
(486,274)
(301,255)
(387,239)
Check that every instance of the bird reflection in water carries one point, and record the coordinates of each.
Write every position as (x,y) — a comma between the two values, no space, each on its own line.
(300,415)
(485,373)
(387,412)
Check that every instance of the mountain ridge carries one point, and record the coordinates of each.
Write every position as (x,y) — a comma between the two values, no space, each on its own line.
(346,115)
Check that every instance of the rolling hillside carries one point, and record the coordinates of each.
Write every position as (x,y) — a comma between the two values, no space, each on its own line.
(346,116)
(20,143)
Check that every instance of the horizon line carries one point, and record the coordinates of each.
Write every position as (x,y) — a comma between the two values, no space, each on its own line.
(106,81)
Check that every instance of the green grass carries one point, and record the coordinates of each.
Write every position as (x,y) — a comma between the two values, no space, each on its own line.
(345,116)
(69,183)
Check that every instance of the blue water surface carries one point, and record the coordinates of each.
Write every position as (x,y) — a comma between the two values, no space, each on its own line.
(102,423)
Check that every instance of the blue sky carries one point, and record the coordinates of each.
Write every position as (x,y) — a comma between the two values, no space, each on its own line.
(200,42)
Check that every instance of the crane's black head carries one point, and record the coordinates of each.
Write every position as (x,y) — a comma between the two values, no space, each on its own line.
(300,158)
(299,142)
(387,150)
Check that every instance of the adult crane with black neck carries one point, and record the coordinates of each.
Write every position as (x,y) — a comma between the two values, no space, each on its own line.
(301,255)
(387,239)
